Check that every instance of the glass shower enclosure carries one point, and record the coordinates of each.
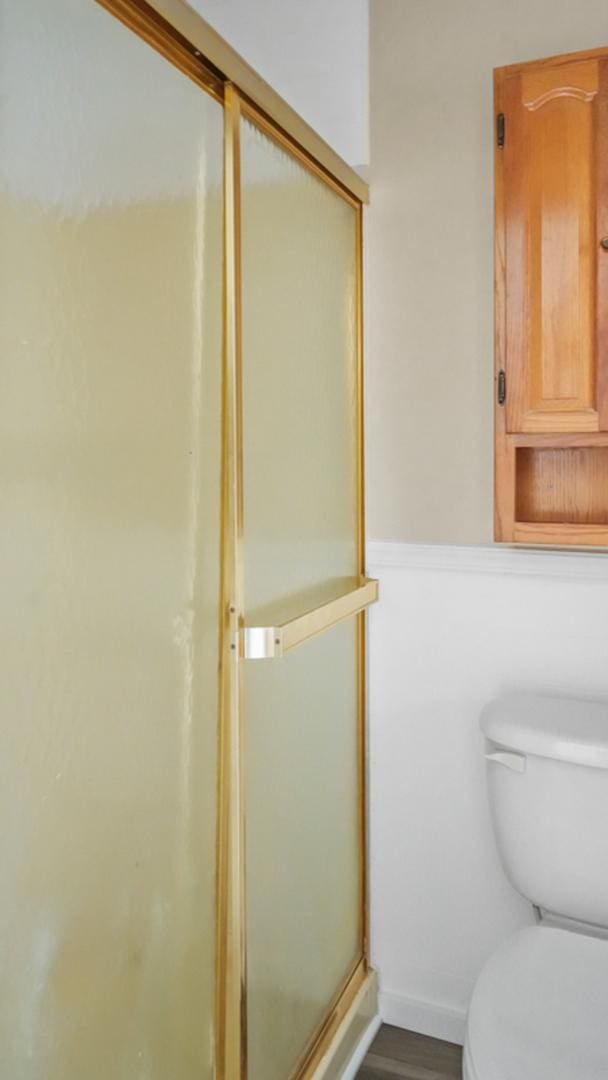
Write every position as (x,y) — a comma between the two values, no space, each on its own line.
(183,620)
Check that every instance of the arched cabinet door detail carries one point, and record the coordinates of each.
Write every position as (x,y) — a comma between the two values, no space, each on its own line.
(551,172)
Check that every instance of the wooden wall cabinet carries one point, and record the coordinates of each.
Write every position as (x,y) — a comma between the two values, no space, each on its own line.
(552,301)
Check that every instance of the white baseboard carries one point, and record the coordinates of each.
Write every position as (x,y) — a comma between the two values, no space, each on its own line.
(361,1049)
(442,1022)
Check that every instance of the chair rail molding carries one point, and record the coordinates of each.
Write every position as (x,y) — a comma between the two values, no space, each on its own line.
(489,559)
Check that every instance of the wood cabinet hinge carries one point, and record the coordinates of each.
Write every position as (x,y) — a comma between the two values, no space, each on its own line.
(500,130)
(502,386)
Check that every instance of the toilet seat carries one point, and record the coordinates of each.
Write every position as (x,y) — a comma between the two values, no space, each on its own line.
(539,1010)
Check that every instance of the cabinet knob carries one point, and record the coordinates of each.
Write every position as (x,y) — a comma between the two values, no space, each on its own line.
(604,243)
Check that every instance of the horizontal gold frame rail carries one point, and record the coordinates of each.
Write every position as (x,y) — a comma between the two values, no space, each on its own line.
(270,642)
(200,51)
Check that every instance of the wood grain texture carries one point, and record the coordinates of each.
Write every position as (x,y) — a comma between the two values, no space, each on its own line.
(601,210)
(562,534)
(551,61)
(562,484)
(595,438)
(404,1055)
(551,300)
(550,248)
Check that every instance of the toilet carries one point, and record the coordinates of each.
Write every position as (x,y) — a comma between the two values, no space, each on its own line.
(539,1010)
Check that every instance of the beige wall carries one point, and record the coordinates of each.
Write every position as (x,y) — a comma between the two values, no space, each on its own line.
(314,53)
(429,250)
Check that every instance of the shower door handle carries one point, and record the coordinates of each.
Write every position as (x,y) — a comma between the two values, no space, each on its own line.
(270,642)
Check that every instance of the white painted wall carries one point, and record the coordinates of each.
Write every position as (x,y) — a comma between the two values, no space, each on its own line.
(454,628)
(314,53)
(447,635)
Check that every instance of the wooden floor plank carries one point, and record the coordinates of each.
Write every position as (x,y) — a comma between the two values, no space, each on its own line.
(381,1068)
(404,1055)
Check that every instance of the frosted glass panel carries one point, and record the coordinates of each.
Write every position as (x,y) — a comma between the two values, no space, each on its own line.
(303,885)
(110,345)
(299,281)
(300,516)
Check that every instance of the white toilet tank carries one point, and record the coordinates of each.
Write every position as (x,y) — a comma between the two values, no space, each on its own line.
(547,763)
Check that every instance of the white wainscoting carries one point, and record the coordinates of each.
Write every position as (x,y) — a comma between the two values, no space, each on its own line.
(455,626)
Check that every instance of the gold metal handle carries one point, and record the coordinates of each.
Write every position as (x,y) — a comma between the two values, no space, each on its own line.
(269,642)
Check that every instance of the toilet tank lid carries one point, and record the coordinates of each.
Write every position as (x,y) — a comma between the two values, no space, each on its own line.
(565,729)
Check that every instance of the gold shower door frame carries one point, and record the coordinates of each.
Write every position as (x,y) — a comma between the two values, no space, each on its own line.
(232,950)
(188,42)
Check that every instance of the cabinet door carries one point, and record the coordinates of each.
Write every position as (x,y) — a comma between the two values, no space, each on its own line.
(554,155)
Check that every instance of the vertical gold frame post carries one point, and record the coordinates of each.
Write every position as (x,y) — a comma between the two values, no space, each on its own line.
(361,559)
(231,1042)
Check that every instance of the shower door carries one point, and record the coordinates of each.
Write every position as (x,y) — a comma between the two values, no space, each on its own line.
(182,559)
(110,405)
(300,592)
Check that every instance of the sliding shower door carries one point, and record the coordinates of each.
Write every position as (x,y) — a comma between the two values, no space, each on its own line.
(302,559)
(111,352)
(182,856)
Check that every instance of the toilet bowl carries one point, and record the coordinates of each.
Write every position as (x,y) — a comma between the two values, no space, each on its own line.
(539,1010)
